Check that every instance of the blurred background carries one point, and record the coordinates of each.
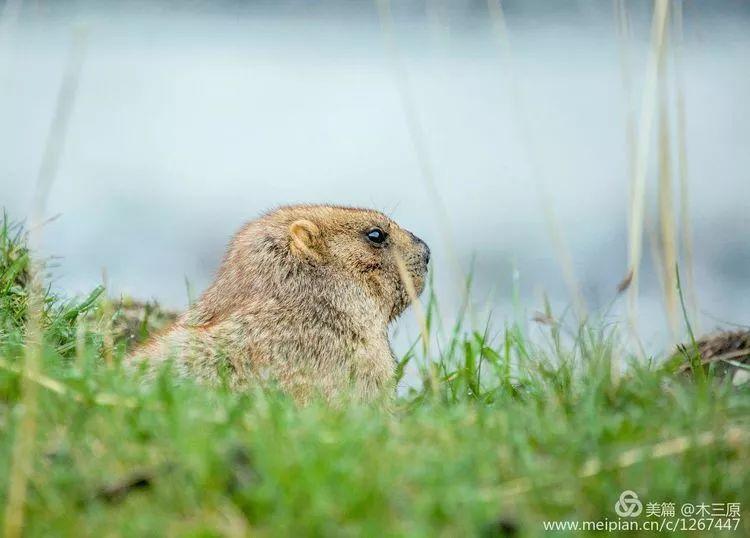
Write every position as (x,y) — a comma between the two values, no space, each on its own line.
(503,138)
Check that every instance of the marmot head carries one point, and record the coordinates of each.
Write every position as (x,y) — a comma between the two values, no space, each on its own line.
(329,253)
(363,246)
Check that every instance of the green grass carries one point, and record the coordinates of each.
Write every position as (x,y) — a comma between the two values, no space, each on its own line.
(504,434)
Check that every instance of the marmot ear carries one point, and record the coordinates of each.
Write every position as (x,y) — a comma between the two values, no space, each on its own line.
(305,239)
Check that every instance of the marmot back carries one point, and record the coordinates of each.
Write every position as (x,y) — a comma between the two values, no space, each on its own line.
(303,299)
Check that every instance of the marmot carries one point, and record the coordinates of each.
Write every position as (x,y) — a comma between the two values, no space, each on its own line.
(302,299)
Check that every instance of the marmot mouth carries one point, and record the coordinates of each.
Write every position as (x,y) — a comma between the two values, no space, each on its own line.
(420,268)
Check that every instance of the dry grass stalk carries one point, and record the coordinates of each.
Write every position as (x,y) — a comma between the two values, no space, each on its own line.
(435,10)
(80,343)
(671,447)
(622,19)
(637,206)
(53,385)
(653,236)
(623,34)
(686,234)
(107,313)
(9,16)
(418,138)
(23,446)
(668,234)
(419,312)
(564,257)
(734,436)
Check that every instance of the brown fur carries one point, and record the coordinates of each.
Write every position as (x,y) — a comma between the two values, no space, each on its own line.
(302,299)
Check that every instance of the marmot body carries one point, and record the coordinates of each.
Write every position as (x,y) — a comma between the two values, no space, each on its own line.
(303,299)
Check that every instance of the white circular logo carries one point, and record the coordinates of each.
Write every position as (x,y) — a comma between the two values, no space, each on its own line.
(628,505)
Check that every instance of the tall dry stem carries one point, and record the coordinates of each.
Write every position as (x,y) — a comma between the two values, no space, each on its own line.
(9,16)
(686,233)
(22,457)
(418,138)
(668,235)
(564,257)
(637,206)
(419,312)
(107,312)
(623,33)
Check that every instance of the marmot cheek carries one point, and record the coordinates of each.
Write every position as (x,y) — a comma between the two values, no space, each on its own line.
(418,268)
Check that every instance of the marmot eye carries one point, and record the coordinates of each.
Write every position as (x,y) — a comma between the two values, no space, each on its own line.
(377,236)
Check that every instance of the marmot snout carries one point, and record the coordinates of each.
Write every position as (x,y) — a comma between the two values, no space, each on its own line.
(302,299)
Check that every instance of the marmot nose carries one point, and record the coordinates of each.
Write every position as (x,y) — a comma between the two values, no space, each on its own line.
(426,252)
(425,248)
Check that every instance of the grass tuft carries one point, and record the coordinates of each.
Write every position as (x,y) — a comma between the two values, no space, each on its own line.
(502,432)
